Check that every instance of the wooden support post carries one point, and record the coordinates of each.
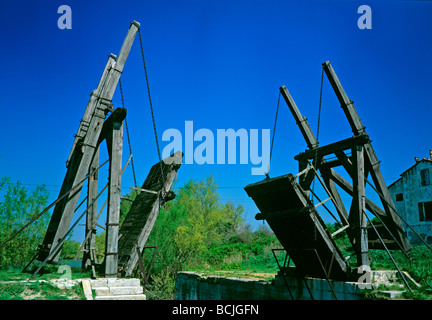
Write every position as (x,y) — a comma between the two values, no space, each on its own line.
(357,219)
(92,192)
(115,149)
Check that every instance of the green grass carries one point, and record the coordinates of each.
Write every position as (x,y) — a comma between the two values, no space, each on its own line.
(24,290)
(48,272)
(38,291)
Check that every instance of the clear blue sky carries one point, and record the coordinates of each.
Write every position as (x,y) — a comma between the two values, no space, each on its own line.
(218,64)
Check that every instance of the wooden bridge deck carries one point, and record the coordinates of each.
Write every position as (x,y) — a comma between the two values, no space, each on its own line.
(299,228)
(142,215)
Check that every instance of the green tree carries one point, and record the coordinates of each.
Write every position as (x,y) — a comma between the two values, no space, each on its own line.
(186,228)
(192,222)
(70,249)
(18,207)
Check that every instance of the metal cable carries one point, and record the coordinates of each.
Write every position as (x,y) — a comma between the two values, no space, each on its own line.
(127,133)
(274,131)
(151,105)
(318,127)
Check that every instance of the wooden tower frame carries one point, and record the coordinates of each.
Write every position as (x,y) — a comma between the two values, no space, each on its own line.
(83,162)
(361,163)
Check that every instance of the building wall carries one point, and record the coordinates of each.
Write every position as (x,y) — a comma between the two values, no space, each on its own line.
(413,193)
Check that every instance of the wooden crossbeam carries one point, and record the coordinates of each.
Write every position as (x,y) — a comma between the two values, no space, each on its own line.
(144,190)
(333,147)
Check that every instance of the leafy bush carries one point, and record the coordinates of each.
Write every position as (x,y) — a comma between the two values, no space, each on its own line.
(17,208)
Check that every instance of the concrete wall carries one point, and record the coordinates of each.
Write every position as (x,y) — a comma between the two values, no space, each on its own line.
(195,286)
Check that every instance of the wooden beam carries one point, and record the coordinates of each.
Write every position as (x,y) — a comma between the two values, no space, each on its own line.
(345,161)
(331,164)
(337,200)
(333,147)
(300,119)
(392,218)
(144,190)
(346,104)
(92,191)
(117,68)
(348,188)
(357,219)
(91,105)
(290,212)
(115,145)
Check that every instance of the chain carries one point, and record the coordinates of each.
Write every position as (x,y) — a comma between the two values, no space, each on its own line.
(127,133)
(317,137)
(318,125)
(274,131)
(151,105)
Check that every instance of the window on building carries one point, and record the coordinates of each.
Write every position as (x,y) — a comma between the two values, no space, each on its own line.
(425,178)
(428,210)
(399,196)
(425,211)
(421,212)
